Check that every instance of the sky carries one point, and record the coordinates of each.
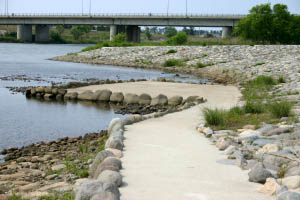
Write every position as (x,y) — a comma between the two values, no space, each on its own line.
(141,6)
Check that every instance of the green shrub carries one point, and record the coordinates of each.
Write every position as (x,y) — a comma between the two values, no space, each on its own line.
(281,109)
(172,63)
(98,46)
(258,64)
(263,81)
(254,107)
(202,65)
(121,37)
(214,117)
(179,39)
(56,38)
(281,79)
(171,51)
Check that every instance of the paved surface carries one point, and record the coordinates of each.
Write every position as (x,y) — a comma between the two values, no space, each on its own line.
(167,159)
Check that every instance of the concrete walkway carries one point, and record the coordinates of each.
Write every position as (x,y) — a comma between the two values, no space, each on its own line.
(167,159)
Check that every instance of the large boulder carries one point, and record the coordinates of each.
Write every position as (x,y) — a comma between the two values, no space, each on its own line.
(109,163)
(62,91)
(175,101)
(270,187)
(54,91)
(268,148)
(97,161)
(112,177)
(105,196)
(259,174)
(86,95)
(117,135)
(71,96)
(97,94)
(160,100)
(292,182)
(277,131)
(222,143)
(104,96)
(116,152)
(115,125)
(33,91)
(131,98)
(114,143)
(145,99)
(289,196)
(192,99)
(40,89)
(48,90)
(92,187)
(117,97)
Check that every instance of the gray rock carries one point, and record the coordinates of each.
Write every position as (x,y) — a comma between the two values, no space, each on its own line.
(114,143)
(117,97)
(112,177)
(105,196)
(71,96)
(145,99)
(62,91)
(48,90)
(281,190)
(131,98)
(191,99)
(294,171)
(259,174)
(159,100)
(92,187)
(117,134)
(175,101)
(241,162)
(266,128)
(99,158)
(55,91)
(263,142)
(110,163)
(289,196)
(104,96)
(251,164)
(87,95)
(277,131)
(115,124)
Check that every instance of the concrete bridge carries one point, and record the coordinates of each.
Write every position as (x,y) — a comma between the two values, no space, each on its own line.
(128,23)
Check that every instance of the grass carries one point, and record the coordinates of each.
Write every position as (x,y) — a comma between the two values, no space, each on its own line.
(171,51)
(202,65)
(281,109)
(173,63)
(54,196)
(258,64)
(259,107)
(281,79)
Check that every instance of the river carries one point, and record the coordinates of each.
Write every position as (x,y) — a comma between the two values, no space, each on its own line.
(24,121)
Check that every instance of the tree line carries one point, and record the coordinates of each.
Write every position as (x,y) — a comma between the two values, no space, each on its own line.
(265,24)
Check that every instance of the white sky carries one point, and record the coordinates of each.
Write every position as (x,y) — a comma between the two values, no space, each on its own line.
(140,6)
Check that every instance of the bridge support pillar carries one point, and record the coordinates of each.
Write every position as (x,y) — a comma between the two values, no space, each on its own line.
(42,33)
(226,31)
(116,29)
(133,34)
(24,32)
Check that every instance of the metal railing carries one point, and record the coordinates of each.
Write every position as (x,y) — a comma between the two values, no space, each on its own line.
(119,15)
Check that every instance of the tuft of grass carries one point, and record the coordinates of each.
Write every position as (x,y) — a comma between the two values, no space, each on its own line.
(281,79)
(214,117)
(262,81)
(281,109)
(58,196)
(258,64)
(254,107)
(202,65)
(173,62)
(171,51)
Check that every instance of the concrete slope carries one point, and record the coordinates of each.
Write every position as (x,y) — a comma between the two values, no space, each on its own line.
(167,159)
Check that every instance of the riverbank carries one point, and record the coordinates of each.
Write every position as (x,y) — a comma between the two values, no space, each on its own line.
(225,64)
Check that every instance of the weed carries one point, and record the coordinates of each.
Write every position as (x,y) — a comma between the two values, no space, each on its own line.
(172,63)
(214,117)
(258,64)
(254,107)
(171,51)
(281,79)
(281,109)
(202,65)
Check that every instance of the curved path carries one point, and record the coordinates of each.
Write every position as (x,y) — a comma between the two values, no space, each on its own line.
(167,159)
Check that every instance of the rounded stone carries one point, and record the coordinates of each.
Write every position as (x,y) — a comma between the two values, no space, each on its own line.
(160,100)
(145,99)
(175,101)
(104,96)
(86,95)
(117,97)
(131,98)
(112,177)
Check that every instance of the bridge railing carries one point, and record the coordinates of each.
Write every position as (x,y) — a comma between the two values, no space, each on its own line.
(117,14)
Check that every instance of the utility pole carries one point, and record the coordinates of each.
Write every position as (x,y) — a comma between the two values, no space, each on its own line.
(90,7)
(186,9)
(168,7)
(82,7)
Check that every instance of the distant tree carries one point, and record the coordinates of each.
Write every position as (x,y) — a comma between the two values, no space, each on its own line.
(148,34)
(60,29)
(273,25)
(79,31)
(179,39)
(170,32)
(119,38)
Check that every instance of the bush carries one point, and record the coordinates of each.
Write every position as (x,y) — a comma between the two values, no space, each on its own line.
(121,37)
(172,63)
(179,39)
(263,81)
(170,32)
(171,51)
(281,79)
(214,117)
(202,65)
(281,109)
(254,107)
(56,38)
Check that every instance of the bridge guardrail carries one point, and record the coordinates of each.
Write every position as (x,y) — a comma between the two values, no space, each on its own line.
(117,14)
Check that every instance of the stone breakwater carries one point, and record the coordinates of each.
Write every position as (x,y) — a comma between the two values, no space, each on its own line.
(227,63)
(270,153)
